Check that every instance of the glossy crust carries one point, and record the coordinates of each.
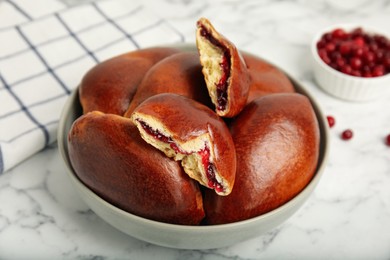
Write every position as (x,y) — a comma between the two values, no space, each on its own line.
(238,81)
(265,78)
(109,156)
(277,146)
(109,86)
(179,73)
(191,125)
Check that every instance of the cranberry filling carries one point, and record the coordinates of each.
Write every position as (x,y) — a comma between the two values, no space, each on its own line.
(225,65)
(204,153)
(209,168)
(159,136)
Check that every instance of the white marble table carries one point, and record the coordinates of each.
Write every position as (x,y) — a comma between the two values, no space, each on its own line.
(347,217)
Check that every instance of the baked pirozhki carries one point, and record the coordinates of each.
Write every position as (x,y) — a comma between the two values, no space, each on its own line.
(265,78)
(224,70)
(109,156)
(180,73)
(190,132)
(277,145)
(110,86)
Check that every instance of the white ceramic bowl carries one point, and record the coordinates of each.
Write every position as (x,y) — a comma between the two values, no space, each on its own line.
(344,86)
(181,236)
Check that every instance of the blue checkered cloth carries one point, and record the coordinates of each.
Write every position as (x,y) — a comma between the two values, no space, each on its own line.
(45,49)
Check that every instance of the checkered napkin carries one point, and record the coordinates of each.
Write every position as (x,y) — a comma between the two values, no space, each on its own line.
(45,48)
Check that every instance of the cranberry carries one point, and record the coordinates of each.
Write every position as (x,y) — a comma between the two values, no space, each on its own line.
(386,62)
(346,69)
(366,68)
(366,71)
(379,55)
(324,56)
(334,65)
(347,134)
(378,70)
(327,37)
(340,62)
(339,34)
(388,140)
(330,47)
(357,32)
(321,44)
(345,48)
(357,51)
(381,40)
(367,75)
(334,56)
(368,56)
(359,41)
(331,121)
(356,73)
(355,63)
(373,46)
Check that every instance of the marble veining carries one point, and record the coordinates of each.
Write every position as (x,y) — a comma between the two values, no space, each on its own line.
(348,215)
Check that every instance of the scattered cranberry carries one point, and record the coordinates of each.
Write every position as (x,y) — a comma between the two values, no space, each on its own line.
(347,134)
(388,139)
(331,121)
(356,53)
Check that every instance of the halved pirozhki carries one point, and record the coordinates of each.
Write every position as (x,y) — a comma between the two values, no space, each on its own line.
(188,131)
(224,69)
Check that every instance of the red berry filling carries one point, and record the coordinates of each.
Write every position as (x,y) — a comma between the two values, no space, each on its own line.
(159,136)
(225,65)
(209,168)
(204,153)
(356,53)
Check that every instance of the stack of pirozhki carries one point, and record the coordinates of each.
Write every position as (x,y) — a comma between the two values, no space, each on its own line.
(206,137)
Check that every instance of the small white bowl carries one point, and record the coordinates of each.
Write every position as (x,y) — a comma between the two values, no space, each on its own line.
(182,236)
(344,86)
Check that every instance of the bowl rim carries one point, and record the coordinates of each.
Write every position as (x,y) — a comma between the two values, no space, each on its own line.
(204,229)
(345,26)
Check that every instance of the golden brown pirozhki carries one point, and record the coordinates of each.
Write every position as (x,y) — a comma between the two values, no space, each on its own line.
(224,70)
(265,78)
(179,73)
(164,96)
(109,86)
(277,146)
(192,133)
(109,157)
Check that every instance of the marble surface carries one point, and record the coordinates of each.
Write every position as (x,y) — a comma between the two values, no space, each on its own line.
(347,217)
